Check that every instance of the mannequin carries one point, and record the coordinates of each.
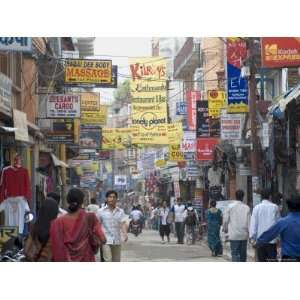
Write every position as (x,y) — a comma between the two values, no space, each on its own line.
(15,193)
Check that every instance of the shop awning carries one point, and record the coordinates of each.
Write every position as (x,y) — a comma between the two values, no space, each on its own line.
(284,100)
(57,162)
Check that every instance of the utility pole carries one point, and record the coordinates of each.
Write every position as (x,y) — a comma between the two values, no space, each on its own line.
(253,120)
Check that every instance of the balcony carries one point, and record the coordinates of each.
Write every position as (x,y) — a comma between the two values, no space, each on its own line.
(187,59)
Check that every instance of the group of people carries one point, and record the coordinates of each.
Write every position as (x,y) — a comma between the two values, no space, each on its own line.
(261,229)
(76,235)
(184,217)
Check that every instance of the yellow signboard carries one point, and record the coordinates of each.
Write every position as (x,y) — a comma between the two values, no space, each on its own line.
(115,138)
(149,99)
(175,133)
(216,101)
(160,163)
(108,138)
(175,153)
(95,117)
(89,102)
(87,71)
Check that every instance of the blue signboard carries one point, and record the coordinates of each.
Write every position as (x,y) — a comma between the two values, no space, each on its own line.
(181,108)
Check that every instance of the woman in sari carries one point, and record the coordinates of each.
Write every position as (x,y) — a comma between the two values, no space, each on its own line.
(214,222)
(73,236)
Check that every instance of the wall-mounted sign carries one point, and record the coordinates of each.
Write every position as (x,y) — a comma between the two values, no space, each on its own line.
(63,106)
(5,93)
(23,44)
(231,127)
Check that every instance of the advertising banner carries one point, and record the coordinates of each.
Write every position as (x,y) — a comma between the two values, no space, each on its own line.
(5,94)
(122,138)
(20,122)
(63,106)
(175,133)
(95,117)
(202,129)
(181,108)
(88,71)
(231,127)
(236,85)
(205,148)
(108,138)
(188,143)
(149,100)
(120,180)
(175,153)
(90,101)
(22,44)
(280,52)
(90,137)
(63,132)
(216,101)
(192,98)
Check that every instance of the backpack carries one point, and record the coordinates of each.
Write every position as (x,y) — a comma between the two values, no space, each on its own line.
(191,218)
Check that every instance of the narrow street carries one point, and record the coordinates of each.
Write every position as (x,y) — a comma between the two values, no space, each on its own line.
(148,247)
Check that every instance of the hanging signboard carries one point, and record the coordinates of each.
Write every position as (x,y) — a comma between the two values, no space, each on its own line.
(205,148)
(103,155)
(20,122)
(149,100)
(88,71)
(108,138)
(63,132)
(175,133)
(280,52)
(22,44)
(120,180)
(175,153)
(231,127)
(63,106)
(237,86)
(192,98)
(95,117)
(5,94)
(181,108)
(216,100)
(90,102)
(122,138)
(202,129)
(188,144)
(90,137)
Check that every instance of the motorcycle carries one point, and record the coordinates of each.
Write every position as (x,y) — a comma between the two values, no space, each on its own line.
(12,250)
(135,227)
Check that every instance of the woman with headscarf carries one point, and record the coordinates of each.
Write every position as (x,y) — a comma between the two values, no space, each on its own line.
(37,246)
(76,236)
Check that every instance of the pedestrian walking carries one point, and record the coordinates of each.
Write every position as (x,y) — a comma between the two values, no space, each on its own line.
(264,216)
(288,229)
(214,223)
(76,236)
(114,224)
(191,221)
(37,245)
(164,222)
(179,211)
(236,224)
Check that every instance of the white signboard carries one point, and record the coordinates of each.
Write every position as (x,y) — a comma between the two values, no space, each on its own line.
(120,180)
(20,122)
(231,127)
(63,106)
(5,93)
(23,44)
(188,143)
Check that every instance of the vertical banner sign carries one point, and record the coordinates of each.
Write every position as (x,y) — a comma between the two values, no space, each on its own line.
(149,100)
(205,148)
(216,101)
(202,129)
(237,87)
(176,189)
(192,98)
(280,52)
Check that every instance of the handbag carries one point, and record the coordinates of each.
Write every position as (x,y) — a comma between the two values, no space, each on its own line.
(94,241)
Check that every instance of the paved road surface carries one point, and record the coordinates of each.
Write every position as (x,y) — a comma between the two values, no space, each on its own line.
(148,247)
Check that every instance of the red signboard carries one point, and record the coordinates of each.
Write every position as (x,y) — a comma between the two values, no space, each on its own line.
(278,52)
(205,148)
(192,97)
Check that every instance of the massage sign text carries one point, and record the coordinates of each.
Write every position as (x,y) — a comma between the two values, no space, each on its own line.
(148,100)
(63,106)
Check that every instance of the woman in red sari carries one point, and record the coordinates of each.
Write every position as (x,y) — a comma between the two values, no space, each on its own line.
(71,234)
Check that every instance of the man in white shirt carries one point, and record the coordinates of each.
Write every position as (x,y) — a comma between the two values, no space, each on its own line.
(236,224)
(179,211)
(264,216)
(113,220)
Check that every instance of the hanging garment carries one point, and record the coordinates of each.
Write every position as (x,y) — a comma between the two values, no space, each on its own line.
(15,182)
(14,211)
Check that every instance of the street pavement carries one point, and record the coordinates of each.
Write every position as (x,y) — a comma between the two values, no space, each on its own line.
(147,247)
